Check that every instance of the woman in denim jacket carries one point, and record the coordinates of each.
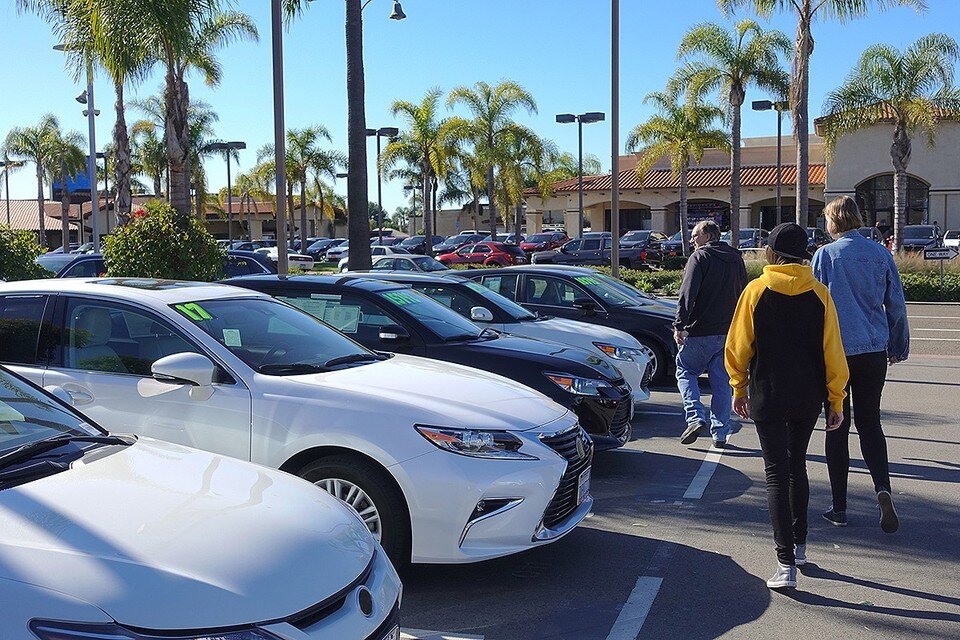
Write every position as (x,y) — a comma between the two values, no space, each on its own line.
(865,286)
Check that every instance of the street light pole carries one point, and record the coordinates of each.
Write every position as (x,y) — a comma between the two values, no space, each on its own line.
(583,118)
(279,140)
(779,106)
(228,148)
(614,141)
(387,132)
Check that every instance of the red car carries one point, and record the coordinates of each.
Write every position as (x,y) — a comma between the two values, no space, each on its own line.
(487,253)
(544,241)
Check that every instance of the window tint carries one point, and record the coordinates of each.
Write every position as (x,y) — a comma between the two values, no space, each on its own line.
(552,291)
(238,267)
(505,285)
(573,245)
(20,320)
(103,336)
(481,248)
(86,269)
(386,264)
(355,316)
(591,244)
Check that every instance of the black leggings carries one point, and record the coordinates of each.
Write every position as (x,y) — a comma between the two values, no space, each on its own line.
(784,445)
(868,371)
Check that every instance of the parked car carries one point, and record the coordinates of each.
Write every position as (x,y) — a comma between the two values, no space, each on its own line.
(872,233)
(376,250)
(589,251)
(418,244)
(335,252)
(243,263)
(816,238)
(91,265)
(674,245)
(70,248)
(952,238)
(407,262)
(318,250)
(388,241)
(300,260)
(114,536)
(234,372)
(455,242)
(389,317)
(750,238)
(86,247)
(649,243)
(488,309)
(544,241)
(917,237)
(569,292)
(506,238)
(295,245)
(485,253)
(597,234)
(253,245)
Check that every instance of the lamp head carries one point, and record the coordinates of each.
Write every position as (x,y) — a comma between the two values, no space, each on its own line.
(592,116)
(397,13)
(343,175)
(82,98)
(389,132)
(565,118)
(762,105)
(371,132)
(237,145)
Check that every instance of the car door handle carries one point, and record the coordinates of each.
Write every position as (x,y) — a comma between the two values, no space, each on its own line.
(78,395)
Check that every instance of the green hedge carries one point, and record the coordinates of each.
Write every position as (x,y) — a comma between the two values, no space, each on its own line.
(18,249)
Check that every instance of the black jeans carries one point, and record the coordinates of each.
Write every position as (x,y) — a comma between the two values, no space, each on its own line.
(868,371)
(784,445)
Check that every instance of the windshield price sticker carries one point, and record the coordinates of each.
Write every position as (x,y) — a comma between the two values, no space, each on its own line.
(231,338)
(400,298)
(587,280)
(194,311)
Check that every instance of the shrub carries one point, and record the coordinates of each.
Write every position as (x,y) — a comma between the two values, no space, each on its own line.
(925,287)
(675,263)
(18,249)
(155,244)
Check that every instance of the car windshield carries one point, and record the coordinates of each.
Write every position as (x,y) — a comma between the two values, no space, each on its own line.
(540,237)
(505,304)
(512,249)
(442,321)
(426,263)
(610,295)
(319,244)
(635,235)
(54,262)
(678,238)
(271,337)
(27,415)
(919,232)
(629,291)
(951,235)
(412,240)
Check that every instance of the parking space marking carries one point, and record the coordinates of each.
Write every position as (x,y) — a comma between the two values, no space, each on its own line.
(421,634)
(635,609)
(936,339)
(658,413)
(700,481)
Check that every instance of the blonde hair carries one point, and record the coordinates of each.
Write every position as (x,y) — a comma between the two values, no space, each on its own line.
(844,213)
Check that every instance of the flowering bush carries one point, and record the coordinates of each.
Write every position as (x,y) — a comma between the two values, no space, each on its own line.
(18,249)
(155,244)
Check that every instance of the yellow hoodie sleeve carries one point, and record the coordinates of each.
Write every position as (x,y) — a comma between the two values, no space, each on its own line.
(833,355)
(740,345)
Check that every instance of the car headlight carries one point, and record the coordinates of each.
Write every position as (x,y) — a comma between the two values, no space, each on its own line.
(620,353)
(498,445)
(46,630)
(579,386)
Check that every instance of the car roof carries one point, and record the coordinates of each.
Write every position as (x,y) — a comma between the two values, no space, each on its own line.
(356,281)
(415,277)
(136,289)
(557,269)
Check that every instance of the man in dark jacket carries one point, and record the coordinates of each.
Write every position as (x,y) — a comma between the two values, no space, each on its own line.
(712,283)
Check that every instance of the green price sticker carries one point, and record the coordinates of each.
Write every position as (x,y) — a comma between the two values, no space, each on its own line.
(587,280)
(194,311)
(400,298)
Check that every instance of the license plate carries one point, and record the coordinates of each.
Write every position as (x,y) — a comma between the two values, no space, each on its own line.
(583,486)
(393,634)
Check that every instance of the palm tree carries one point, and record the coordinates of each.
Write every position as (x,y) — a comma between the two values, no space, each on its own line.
(33,144)
(149,155)
(523,161)
(807,11)
(68,160)
(913,88)
(306,160)
(492,108)
(423,145)
(682,132)
(717,59)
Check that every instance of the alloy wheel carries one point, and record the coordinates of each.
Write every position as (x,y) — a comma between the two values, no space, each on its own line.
(357,499)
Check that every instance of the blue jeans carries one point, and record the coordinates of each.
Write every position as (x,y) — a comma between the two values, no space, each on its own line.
(698,355)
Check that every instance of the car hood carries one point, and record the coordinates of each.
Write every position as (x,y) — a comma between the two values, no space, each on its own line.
(549,355)
(575,332)
(165,537)
(412,384)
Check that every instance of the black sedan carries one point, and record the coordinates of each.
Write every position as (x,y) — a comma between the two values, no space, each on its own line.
(418,244)
(91,265)
(583,294)
(391,317)
(917,237)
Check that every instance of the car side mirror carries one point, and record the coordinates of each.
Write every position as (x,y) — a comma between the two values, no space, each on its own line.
(481,314)
(394,333)
(586,305)
(186,368)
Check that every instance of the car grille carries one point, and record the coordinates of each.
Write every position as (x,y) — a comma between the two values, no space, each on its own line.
(620,425)
(309,617)
(565,499)
(647,376)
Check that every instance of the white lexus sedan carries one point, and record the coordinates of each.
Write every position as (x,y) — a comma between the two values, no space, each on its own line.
(107,537)
(443,463)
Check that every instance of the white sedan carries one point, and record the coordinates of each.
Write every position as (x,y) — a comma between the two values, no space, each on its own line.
(106,537)
(300,260)
(375,252)
(444,463)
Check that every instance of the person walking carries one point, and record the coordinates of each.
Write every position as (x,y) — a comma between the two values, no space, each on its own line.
(865,285)
(785,357)
(712,282)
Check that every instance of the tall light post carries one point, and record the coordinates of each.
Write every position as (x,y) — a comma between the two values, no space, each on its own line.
(583,118)
(106,186)
(780,106)
(7,166)
(614,139)
(387,132)
(279,134)
(228,148)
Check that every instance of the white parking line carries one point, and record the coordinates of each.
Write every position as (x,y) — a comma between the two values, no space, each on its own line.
(700,481)
(936,339)
(635,609)
(658,413)
(925,329)
(421,634)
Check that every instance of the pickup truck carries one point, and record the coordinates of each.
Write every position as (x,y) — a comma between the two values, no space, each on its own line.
(590,251)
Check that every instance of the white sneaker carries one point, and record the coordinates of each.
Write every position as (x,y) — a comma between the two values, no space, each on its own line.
(786,576)
(800,554)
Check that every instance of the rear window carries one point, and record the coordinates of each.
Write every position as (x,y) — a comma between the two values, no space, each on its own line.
(54,262)
(20,319)
(512,249)
(953,234)
(540,237)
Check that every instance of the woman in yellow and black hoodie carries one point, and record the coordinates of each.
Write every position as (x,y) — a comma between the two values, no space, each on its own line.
(785,357)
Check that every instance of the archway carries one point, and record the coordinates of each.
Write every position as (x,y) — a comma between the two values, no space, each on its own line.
(703,209)
(633,216)
(875,199)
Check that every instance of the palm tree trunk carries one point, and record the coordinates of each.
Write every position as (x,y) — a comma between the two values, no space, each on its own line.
(490,203)
(121,159)
(427,221)
(684,231)
(303,216)
(900,152)
(157,187)
(475,207)
(290,231)
(65,208)
(177,134)
(358,219)
(737,96)
(433,210)
(800,98)
(199,197)
(43,230)
(517,214)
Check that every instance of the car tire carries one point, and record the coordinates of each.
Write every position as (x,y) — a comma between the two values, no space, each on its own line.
(661,365)
(379,492)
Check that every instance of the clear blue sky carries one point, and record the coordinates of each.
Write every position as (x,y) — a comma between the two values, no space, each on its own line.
(558,49)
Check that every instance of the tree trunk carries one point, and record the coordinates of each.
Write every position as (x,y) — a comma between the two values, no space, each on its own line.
(65,208)
(684,230)
(475,207)
(737,95)
(121,160)
(303,216)
(177,134)
(157,187)
(358,218)
(490,204)
(290,231)
(43,229)
(427,221)
(800,90)
(517,214)
(199,198)
(435,185)
(900,152)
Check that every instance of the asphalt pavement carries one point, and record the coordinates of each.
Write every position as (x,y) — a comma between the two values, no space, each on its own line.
(679,544)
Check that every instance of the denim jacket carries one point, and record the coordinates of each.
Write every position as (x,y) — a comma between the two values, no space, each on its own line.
(865,286)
